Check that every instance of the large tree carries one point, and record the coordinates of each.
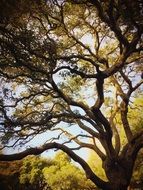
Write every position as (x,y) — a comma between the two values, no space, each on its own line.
(61,61)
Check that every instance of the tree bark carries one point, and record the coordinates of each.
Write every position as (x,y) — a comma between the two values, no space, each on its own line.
(118,172)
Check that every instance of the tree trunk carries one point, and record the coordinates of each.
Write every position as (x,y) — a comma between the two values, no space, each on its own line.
(119,187)
(119,173)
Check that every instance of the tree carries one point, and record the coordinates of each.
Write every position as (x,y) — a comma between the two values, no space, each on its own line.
(31,175)
(64,175)
(35,172)
(55,56)
(9,175)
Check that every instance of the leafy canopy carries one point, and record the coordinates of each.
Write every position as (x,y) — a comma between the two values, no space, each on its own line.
(71,70)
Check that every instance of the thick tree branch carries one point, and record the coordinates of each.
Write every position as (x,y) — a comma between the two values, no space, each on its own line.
(132,148)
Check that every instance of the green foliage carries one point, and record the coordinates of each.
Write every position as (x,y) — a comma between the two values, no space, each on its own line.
(136,113)
(136,121)
(137,177)
(31,170)
(58,173)
(64,175)
(96,164)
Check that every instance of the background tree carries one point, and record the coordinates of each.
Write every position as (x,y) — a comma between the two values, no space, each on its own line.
(9,175)
(61,61)
(63,174)
(31,175)
(35,172)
